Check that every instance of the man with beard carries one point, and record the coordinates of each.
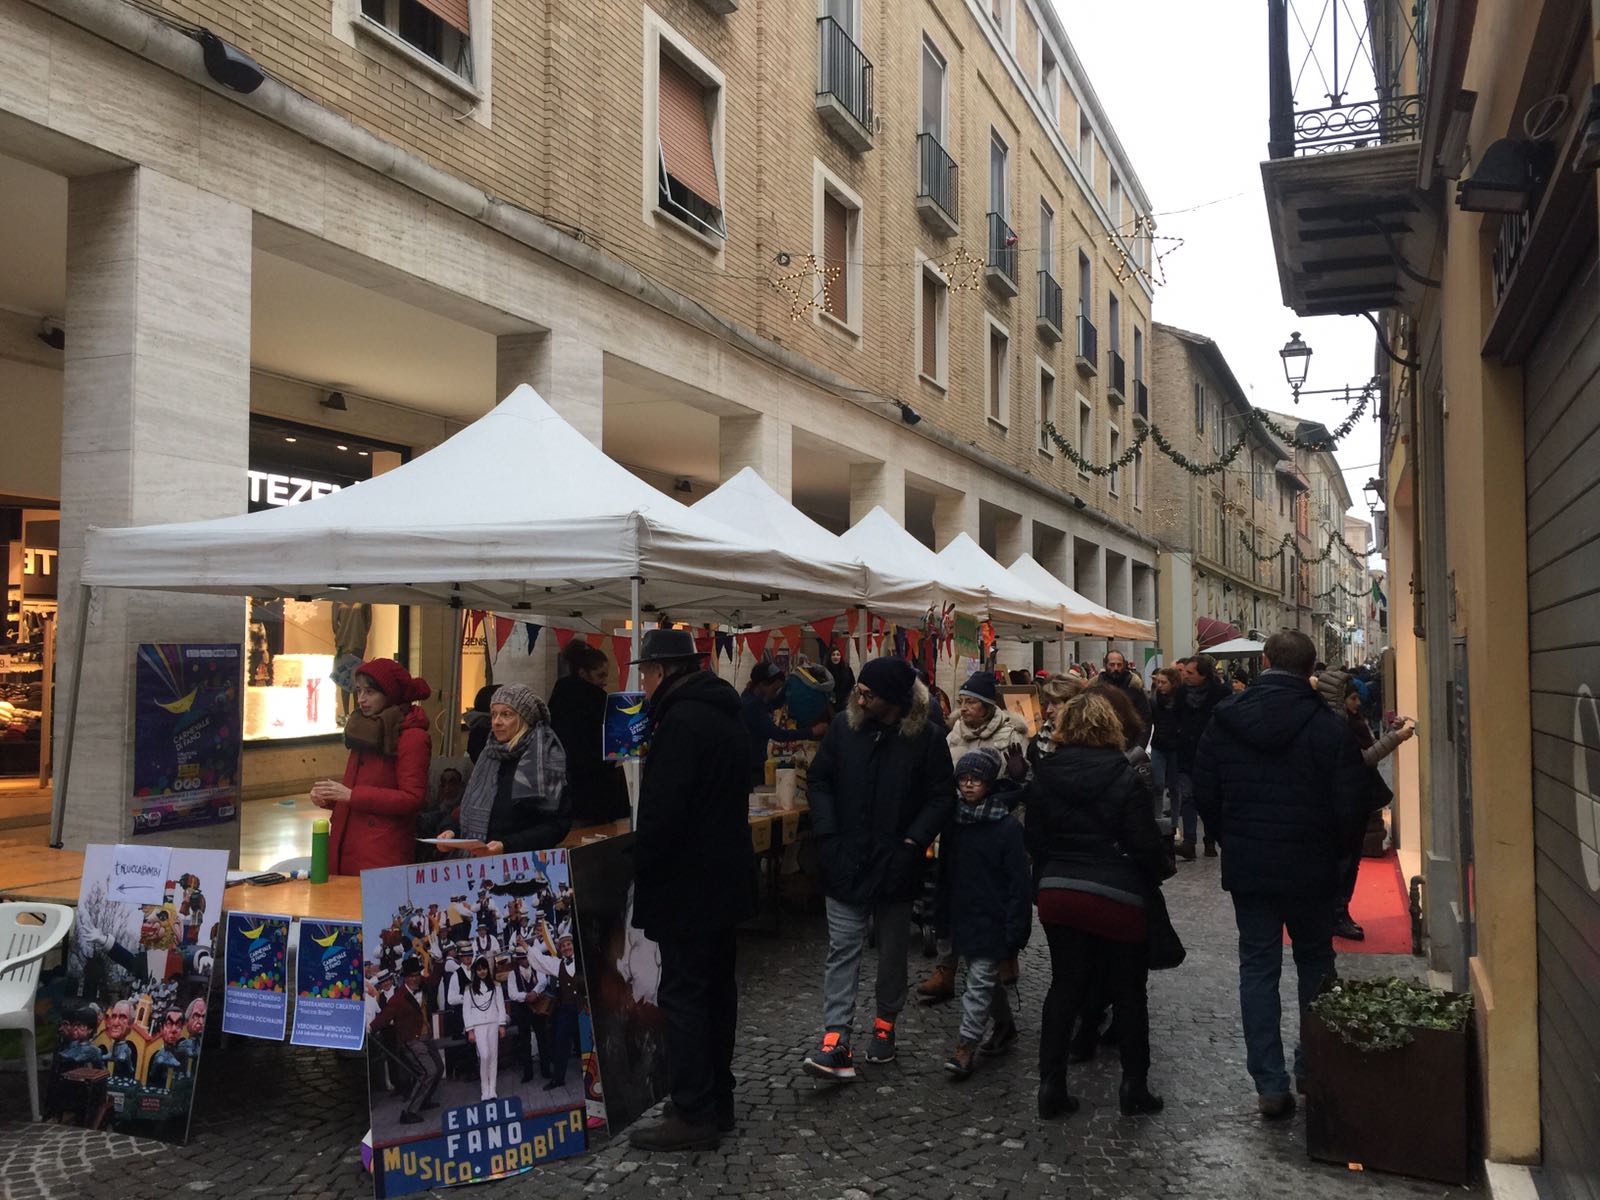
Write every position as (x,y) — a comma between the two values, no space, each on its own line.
(1117,675)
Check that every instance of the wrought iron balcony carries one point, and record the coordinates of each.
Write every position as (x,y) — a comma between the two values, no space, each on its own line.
(1141,402)
(844,85)
(1049,307)
(1001,270)
(1088,348)
(1117,382)
(938,191)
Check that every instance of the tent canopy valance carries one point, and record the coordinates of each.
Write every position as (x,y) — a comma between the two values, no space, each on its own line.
(1082,616)
(516,512)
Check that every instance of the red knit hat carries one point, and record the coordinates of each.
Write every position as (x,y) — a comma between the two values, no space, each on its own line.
(394,681)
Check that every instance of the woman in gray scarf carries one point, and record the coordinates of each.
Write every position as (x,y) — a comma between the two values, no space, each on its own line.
(516,798)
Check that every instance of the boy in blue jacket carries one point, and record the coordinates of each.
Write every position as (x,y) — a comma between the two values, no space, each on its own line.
(985,900)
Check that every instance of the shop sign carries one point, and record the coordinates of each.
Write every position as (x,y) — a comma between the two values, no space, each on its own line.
(268,489)
(40,559)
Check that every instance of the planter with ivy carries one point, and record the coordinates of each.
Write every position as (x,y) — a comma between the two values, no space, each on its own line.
(1389,1078)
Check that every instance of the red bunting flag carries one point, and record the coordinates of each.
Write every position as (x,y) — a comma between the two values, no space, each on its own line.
(824,631)
(850,620)
(597,640)
(756,639)
(474,622)
(563,636)
(502,630)
(913,641)
(792,634)
(621,653)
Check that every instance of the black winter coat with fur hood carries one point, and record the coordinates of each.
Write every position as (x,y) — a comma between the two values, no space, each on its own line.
(872,787)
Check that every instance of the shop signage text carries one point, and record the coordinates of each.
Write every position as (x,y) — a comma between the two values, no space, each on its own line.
(280,491)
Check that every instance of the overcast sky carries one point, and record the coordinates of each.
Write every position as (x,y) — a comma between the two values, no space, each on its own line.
(1185,86)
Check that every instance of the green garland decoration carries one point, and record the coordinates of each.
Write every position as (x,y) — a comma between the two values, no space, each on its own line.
(1254,419)
(1353,593)
(1334,537)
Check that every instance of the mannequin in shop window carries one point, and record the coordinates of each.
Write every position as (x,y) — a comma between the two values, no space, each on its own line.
(386,778)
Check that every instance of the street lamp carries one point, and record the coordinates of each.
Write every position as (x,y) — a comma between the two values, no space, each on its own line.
(1296,357)
(1373,491)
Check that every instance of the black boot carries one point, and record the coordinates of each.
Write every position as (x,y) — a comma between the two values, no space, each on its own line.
(1135,1098)
(1053,1099)
(1186,851)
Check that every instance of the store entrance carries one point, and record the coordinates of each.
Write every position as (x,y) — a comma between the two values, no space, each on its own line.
(30,548)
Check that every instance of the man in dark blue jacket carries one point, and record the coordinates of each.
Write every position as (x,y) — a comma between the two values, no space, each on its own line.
(694,880)
(881,789)
(762,695)
(1198,698)
(1280,783)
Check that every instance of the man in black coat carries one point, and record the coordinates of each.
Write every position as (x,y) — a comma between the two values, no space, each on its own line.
(1119,675)
(1280,783)
(881,789)
(1203,689)
(694,880)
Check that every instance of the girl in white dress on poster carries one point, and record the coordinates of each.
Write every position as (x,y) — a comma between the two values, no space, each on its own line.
(483,1012)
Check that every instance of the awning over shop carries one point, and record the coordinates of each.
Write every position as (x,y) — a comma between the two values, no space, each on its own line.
(1208,632)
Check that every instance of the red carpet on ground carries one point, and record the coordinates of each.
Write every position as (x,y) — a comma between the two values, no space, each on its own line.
(1380,907)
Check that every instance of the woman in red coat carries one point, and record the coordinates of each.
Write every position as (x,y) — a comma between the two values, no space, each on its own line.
(386,779)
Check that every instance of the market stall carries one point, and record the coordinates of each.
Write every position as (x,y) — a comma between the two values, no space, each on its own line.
(1082,615)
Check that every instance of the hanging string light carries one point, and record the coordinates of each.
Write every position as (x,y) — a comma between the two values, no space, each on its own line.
(802,297)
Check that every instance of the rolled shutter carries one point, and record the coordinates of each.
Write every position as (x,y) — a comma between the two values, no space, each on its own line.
(685,132)
(930,327)
(452,12)
(835,239)
(996,353)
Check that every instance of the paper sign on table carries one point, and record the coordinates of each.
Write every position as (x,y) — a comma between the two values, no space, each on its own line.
(330,1002)
(139,873)
(255,1002)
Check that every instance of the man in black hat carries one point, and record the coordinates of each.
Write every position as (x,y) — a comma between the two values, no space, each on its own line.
(881,788)
(694,816)
(407,1012)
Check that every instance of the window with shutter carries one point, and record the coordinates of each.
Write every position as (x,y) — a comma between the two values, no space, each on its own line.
(440,29)
(689,188)
(999,373)
(930,326)
(835,256)
(1047,407)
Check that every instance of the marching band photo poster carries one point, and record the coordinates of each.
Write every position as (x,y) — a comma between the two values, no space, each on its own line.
(255,995)
(477,1022)
(139,974)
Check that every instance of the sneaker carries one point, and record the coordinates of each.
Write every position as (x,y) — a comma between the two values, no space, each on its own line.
(1275,1108)
(939,986)
(881,1048)
(959,1064)
(832,1060)
(1001,1039)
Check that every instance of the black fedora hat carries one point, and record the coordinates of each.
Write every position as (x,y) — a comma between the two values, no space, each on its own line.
(667,645)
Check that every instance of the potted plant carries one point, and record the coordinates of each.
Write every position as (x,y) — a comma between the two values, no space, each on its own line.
(1389,1069)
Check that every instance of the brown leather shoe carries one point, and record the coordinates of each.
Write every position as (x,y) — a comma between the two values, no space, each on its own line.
(674,1133)
(940,985)
(959,1064)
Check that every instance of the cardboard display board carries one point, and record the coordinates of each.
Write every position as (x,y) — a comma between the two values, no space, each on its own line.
(188,735)
(140,973)
(475,1074)
(624,971)
(1023,699)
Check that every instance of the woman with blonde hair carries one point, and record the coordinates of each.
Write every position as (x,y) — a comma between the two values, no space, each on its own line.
(1097,855)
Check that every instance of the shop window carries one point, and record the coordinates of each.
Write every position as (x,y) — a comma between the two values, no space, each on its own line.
(298,652)
(28,540)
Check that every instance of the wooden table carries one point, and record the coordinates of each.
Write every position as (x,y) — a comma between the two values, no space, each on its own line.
(40,873)
(337,900)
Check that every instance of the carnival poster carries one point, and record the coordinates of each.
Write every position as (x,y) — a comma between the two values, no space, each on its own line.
(188,735)
(479,1033)
(255,995)
(139,973)
(627,726)
(333,1003)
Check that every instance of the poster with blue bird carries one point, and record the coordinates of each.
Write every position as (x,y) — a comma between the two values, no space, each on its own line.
(255,1000)
(188,735)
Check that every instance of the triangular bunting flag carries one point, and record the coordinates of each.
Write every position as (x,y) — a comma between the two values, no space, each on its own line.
(563,636)
(474,622)
(532,631)
(702,641)
(622,653)
(791,635)
(502,630)
(756,639)
(824,632)
(597,640)
(724,643)
(913,641)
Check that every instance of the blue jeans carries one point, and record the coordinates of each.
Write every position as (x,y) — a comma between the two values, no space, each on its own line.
(1261,920)
(1186,806)
(1165,765)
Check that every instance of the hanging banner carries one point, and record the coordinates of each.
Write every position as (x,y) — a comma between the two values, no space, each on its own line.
(132,1050)
(188,735)
(333,1002)
(255,998)
(626,733)
(484,991)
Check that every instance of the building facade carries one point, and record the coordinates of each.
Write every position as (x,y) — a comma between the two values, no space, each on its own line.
(870,251)
(1474,156)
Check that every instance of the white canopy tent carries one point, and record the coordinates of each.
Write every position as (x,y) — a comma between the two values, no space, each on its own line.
(517,512)
(1083,616)
(1009,602)
(1237,648)
(880,540)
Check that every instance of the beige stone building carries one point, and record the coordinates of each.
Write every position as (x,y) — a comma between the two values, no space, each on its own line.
(1220,532)
(867,249)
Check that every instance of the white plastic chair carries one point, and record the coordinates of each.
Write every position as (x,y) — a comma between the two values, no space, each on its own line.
(28,932)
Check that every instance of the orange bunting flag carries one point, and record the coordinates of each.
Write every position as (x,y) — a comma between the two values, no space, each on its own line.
(597,640)
(756,639)
(563,636)
(824,632)
(791,635)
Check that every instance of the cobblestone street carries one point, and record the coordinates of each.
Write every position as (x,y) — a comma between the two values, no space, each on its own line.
(275,1121)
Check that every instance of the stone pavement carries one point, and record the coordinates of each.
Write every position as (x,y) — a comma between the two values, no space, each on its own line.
(278,1122)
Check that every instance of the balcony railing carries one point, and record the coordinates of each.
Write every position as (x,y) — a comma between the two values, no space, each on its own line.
(1002,257)
(1119,374)
(1141,401)
(844,84)
(1049,306)
(938,179)
(1088,347)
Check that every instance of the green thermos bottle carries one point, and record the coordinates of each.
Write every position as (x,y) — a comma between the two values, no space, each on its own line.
(319,850)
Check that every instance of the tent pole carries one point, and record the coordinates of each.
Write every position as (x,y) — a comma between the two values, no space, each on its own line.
(631,767)
(861,636)
(58,794)
(452,713)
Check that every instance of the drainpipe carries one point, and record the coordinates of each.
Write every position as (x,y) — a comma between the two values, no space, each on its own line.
(143,35)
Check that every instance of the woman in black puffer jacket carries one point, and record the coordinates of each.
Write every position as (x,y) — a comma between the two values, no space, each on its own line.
(1096,852)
